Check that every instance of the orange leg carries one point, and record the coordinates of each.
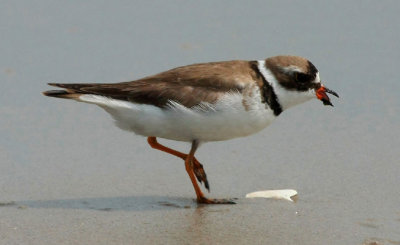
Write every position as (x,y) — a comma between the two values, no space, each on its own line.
(191,164)
(189,169)
(197,166)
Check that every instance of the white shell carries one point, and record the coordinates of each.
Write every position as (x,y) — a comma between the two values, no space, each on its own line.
(286,194)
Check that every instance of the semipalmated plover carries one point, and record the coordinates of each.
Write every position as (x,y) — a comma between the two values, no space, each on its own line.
(205,102)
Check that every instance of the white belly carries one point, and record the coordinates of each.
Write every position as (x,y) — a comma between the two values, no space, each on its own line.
(226,119)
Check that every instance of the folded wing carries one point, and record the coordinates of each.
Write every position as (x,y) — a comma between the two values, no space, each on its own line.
(187,85)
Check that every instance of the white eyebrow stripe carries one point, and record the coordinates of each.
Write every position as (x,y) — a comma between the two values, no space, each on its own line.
(292,68)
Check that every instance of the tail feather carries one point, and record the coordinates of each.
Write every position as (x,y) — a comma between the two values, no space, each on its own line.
(70,86)
(72,90)
(64,94)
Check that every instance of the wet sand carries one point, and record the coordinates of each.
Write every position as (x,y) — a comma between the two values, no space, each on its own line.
(68,176)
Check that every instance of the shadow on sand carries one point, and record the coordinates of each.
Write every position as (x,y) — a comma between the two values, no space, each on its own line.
(133,203)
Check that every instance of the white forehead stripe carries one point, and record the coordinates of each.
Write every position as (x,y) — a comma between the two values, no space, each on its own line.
(317,78)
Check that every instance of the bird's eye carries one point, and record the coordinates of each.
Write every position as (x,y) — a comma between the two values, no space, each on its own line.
(301,77)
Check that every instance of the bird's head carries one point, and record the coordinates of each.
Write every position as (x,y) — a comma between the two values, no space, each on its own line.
(296,80)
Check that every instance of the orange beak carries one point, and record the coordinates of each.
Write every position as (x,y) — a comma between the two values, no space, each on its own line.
(321,95)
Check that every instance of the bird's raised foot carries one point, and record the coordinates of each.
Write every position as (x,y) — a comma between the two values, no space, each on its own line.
(200,173)
(203,200)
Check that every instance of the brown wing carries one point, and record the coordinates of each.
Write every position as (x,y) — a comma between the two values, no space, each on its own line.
(187,85)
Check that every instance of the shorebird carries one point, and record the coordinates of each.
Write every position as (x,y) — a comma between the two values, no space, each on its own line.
(204,102)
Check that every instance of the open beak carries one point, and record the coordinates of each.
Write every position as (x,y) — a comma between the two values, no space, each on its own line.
(321,95)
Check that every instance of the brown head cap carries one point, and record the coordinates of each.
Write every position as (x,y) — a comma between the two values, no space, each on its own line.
(293,72)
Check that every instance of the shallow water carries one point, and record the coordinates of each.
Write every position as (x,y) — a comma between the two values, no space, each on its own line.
(68,176)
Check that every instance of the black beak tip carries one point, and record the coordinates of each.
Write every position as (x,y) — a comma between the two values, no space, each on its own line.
(331,92)
(327,102)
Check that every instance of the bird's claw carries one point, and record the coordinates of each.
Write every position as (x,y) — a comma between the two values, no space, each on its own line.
(200,174)
(203,200)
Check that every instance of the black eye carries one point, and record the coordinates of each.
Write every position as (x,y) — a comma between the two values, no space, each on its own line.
(301,77)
